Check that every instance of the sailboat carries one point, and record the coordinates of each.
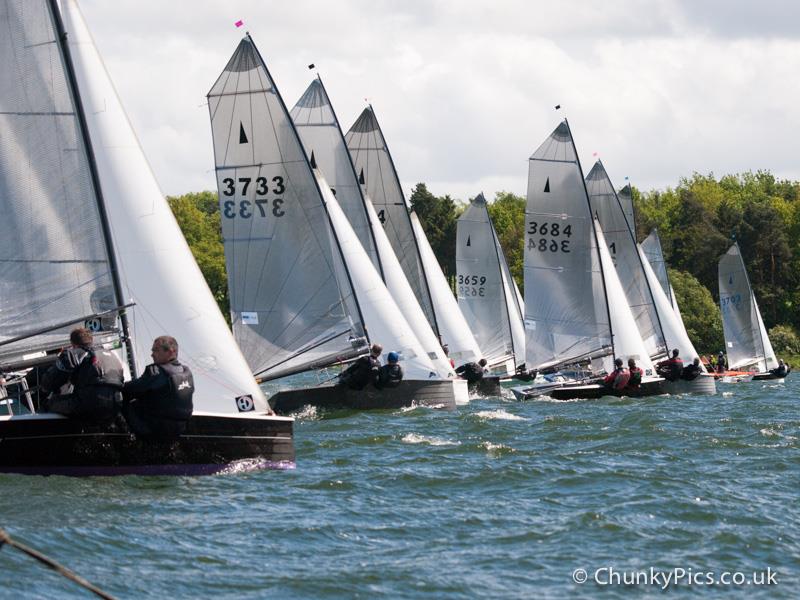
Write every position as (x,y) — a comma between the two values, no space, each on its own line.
(486,293)
(746,342)
(670,317)
(88,239)
(304,292)
(576,312)
(322,138)
(376,171)
(653,314)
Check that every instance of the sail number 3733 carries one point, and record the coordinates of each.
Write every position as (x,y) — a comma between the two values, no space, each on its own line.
(259,207)
(550,236)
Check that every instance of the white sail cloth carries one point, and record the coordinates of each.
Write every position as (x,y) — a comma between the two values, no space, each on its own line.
(453,328)
(156,267)
(746,340)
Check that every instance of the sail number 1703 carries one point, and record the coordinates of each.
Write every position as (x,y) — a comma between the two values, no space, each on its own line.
(247,209)
(548,237)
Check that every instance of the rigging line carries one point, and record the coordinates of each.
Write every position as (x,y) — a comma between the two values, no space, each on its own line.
(61,297)
(50,563)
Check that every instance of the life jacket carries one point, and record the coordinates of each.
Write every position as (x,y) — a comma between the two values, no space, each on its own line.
(390,376)
(470,371)
(97,369)
(178,404)
(360,373)
(635,378)
(621,378)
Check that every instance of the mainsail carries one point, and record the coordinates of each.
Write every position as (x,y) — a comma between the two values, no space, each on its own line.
(156,268)
(566,314)
(376,172)
(651,246)
(746,341)
(625,254)
(304,292)
(54,262)
(322,139)
(319,130)
(292,303)
(625,196)
(485,295)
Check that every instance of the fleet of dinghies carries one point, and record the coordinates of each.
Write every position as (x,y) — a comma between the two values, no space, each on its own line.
(324,257)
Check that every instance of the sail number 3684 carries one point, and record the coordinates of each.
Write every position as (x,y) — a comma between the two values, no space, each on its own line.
(548,232)
(246,209)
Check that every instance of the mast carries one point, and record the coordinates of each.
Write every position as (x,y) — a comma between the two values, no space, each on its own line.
(594,235)
(355,178)
(413,233)
(69,68)
(316,184)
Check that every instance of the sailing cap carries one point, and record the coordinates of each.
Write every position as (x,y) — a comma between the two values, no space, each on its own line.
(392,357)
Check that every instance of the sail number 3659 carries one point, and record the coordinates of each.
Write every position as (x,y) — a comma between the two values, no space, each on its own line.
(548,232)
(246,209)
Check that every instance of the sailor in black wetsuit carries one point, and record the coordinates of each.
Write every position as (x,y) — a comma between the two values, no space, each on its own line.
(95,376)
(159,403)
(780,370)
(391,374)
(692,371)
(363,371)
(472,372)
(671,369)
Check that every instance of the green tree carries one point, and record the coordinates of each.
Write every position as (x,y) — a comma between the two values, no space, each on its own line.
(198,217)
(508,215)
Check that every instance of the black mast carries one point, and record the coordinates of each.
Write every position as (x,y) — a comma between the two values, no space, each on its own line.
(69,68)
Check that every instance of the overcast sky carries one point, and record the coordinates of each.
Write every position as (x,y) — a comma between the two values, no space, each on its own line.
(465,90)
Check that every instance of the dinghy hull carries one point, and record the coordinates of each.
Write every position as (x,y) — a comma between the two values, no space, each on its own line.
(588,391)
(702,385)
(436,393)
(46,444)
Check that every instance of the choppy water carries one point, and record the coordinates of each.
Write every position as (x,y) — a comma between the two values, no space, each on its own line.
(495,499)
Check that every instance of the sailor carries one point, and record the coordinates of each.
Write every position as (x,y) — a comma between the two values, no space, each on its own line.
(721,362)
(363,371)
(692,371)
(672,368)
(619,377)
(636,375)
(90,381)
(446,350)
(158,404)
(391,374)
(781,370)
(471,371)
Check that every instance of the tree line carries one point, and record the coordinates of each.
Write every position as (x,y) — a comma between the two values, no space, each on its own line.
(697,221)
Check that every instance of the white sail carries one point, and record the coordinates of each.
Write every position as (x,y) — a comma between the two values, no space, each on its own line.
(157,270)
(627,341)
(383,320)
(316,122)
(375,170)
(403,295)
(322,138)
(453,328)
(514,306)
(625,196)
(292,304)
(483,290)
(674,330)
(566,315)
(746,341)
(625,254)
(651,246)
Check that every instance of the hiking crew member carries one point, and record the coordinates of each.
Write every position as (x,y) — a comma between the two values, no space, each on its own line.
(363,371)
(692,371)
(672,368)
(472,372)
(721,362)
(96,381)
(159,403)
(391,374)
(780,370)
(636,375)
(618,378)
